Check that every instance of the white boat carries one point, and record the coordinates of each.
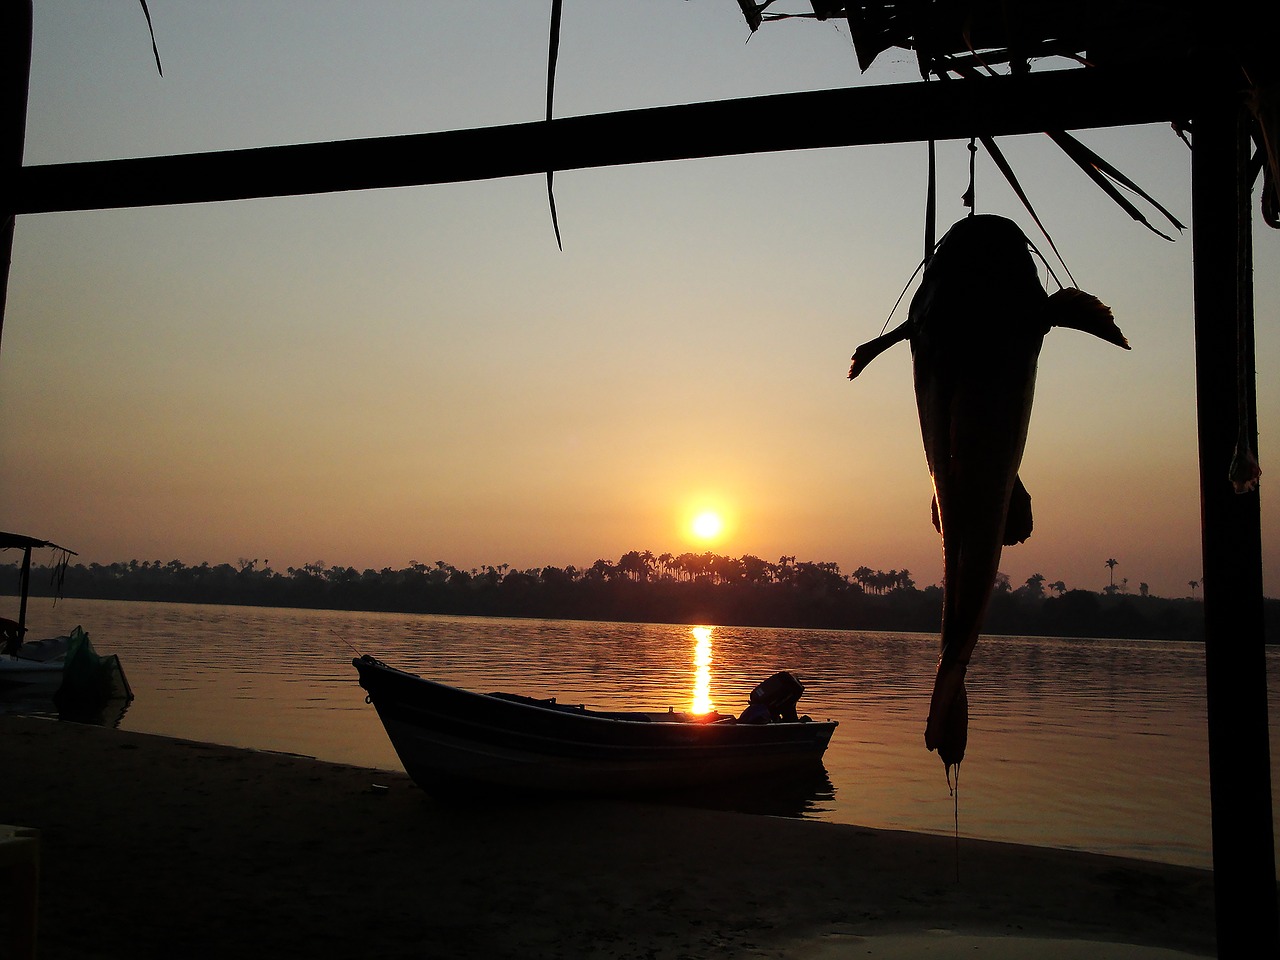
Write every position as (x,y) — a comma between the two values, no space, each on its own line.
(22,662)
(35,666)
(64,670)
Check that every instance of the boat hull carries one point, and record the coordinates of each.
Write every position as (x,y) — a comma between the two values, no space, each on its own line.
(29,674)
(452,740)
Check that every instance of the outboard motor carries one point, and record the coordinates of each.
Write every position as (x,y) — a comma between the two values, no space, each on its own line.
(774,700)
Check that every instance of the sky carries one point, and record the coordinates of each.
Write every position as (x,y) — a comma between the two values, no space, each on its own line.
(373,378)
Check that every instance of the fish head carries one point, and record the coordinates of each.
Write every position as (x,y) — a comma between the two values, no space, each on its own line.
(983,239)
(983,249)
(980,279)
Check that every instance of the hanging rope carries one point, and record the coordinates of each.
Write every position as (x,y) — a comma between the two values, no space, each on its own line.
(931,205)
(967,199)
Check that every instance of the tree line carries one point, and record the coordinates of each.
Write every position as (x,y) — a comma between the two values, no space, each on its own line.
(641,587)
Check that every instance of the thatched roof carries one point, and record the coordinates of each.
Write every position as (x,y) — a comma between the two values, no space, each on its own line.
(1094,31)
(967,38)
(11,541)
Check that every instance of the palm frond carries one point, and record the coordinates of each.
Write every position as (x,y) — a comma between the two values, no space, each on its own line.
(1095,167)
(152,30)
(553,53)
(1103,173)
(998,157)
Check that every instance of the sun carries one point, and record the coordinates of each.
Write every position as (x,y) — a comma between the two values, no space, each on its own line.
(707,525)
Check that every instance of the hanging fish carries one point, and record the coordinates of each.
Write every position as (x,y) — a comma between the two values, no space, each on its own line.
(976,326)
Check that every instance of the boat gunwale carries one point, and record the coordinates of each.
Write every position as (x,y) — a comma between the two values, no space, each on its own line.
(527,720)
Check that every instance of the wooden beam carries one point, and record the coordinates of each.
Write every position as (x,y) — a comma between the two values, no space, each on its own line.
(15,76)
(1235,660)
(898,113)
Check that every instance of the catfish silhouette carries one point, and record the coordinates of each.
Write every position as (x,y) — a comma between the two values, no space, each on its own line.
(976,326)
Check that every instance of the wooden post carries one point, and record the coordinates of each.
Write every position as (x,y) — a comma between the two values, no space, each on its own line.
(1239,752)
(15,81)
(24,581)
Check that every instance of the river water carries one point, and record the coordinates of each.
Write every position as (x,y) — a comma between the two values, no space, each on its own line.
(1096,745)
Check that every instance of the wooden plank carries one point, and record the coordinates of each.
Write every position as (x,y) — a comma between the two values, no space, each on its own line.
(897,113)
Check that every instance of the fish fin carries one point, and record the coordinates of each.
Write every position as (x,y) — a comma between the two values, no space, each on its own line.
(1017,524)
(873,348)
(1083,311)
(933,510)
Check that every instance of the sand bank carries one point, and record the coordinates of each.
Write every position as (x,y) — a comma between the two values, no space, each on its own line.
(160,847)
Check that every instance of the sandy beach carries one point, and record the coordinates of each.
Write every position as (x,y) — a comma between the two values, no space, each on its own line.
(158,847)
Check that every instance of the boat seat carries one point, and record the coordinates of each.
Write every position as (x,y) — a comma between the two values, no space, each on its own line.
(550,704)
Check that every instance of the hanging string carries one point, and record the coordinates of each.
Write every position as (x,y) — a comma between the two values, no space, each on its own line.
(967,199)
(931,205)
(956,808)
(897,303)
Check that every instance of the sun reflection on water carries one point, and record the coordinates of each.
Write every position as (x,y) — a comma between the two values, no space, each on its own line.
(701,670)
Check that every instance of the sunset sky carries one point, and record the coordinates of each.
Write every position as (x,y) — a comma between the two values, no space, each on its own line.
(372,378)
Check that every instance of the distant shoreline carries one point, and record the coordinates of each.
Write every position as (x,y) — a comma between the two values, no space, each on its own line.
(721,591)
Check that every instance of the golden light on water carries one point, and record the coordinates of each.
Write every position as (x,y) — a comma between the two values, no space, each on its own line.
(701,670)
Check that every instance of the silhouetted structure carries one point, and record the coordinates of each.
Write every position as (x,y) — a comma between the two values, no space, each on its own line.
(1172,61)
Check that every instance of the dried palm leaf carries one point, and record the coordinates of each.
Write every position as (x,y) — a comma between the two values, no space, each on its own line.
(152,30)
(1094,166)
(998,157)
(553,53)
(1099,170)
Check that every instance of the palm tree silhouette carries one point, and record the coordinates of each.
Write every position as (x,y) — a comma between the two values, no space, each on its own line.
(1111,566)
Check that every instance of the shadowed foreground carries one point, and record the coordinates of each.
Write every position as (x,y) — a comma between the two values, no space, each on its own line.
(152,846)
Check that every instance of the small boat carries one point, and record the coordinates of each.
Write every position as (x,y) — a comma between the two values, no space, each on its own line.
(30,664)
(64,670)
(35,665)
(455,741)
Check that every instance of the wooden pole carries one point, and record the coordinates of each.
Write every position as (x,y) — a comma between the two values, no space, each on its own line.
(15,80)
(24,579)
(1239,751)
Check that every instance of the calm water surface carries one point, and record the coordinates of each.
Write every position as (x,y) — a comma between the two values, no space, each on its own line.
(1095,745)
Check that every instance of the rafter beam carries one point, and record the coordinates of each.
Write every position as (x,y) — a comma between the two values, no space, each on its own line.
(898,113)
